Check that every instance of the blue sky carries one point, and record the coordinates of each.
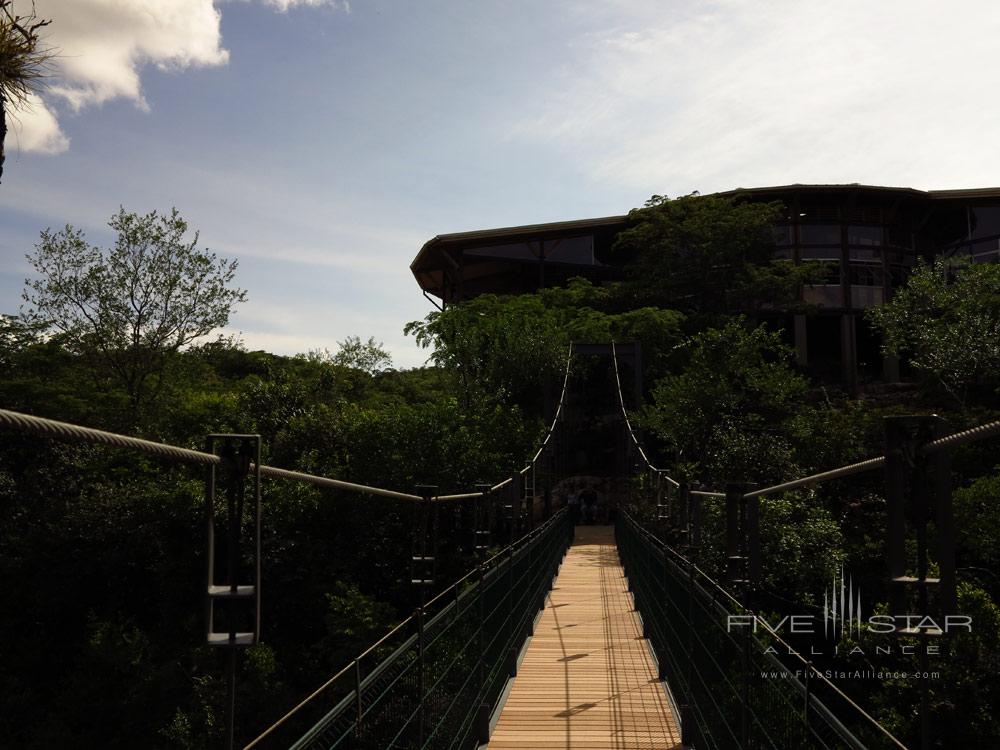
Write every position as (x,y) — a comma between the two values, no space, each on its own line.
(321,143)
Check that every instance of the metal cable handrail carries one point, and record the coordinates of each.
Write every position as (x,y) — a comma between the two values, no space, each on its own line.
(450,590)
(803,663)
(963,437)
(55,429)
(844,471)
(65,431)
(971,435)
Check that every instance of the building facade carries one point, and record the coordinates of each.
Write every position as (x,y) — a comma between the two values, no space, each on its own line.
(871,236)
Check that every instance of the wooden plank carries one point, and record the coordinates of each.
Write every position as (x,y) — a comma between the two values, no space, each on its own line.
(587,680)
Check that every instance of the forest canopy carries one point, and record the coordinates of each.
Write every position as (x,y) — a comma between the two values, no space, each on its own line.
(102,551)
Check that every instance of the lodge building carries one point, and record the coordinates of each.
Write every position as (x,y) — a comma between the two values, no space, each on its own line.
(872,236)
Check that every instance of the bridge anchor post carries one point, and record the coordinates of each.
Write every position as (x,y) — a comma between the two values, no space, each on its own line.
(239,454)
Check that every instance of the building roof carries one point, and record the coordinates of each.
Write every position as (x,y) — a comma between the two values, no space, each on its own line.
(490,236)
(986,192)
(434,257)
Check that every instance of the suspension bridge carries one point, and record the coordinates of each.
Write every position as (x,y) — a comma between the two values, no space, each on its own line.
(575,636)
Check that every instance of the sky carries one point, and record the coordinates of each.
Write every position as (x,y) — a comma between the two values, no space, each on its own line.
(322,142)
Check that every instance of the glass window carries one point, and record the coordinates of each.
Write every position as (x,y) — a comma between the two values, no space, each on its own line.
(867,213)
(861,253)
(984,250)
(513,251)
(864,274)
(823,213)
(984,221)
(815,253)
(576,250)
(864,235)
(819,234)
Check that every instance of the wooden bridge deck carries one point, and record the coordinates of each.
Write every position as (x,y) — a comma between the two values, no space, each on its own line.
(587,679)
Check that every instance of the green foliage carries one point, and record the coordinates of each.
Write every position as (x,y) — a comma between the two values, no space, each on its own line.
(130,307)
(368,356)
(103,581)
(961,695)
(505,346)
(353,622)
(706,255)
(512,347)
(23,61)
(728,412)
(946,321)
(102,553)
(802,546)
(977,522)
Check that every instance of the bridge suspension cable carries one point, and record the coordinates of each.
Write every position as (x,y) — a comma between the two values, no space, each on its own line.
(65,431)
(963,437)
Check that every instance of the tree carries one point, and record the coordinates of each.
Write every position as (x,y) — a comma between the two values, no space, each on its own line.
(367,356)
(947,321)
(22,61)
(729,410)
(707,255)
(504,346)
(132,306)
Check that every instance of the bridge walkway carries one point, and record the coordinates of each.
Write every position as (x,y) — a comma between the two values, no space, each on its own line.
(588,679)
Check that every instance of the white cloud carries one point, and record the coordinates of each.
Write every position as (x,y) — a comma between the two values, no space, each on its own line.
(103,45)
(34,128)
(737,93)
(284,5)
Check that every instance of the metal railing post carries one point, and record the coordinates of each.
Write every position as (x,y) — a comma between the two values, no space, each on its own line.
(918,490)
(483,711)
(238,454)
(423,566)
(693,504)
(735,560)
(751,518)
(420,672)
(737,573)
(357,695)
(481,535)
(512,654)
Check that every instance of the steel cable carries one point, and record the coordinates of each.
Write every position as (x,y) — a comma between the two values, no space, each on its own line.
(971,435)
(844,471)
(70,432)
(628,424)
(65,431)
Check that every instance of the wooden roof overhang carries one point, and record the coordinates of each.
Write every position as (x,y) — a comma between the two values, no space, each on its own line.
(442,255)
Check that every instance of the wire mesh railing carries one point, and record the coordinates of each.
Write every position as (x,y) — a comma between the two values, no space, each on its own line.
(505,513)
(919,585)
(722,662)
(435,679)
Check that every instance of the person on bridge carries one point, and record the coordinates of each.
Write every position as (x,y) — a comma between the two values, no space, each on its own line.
(588,497)
(573,503)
